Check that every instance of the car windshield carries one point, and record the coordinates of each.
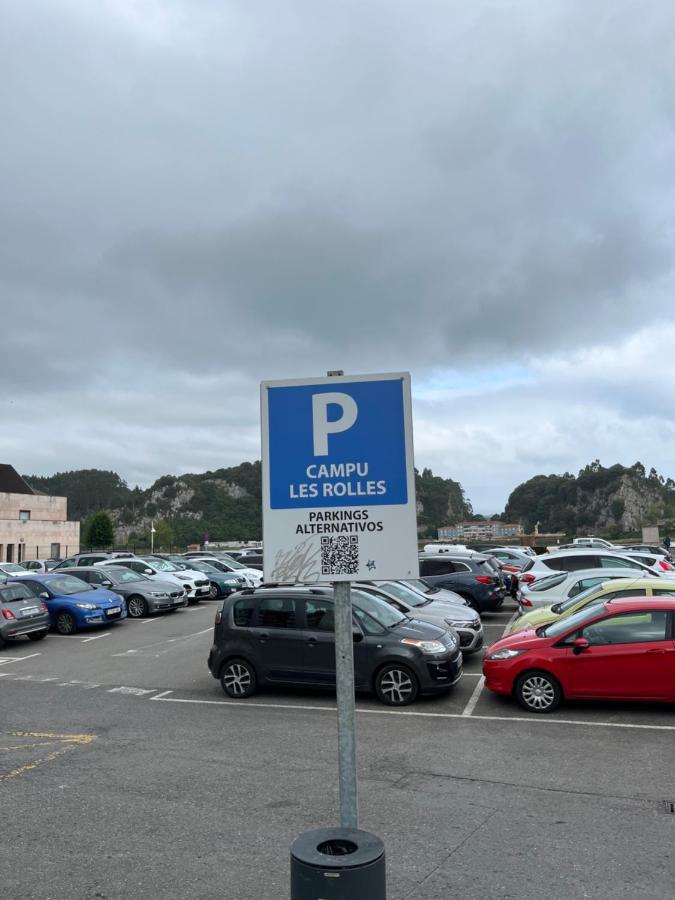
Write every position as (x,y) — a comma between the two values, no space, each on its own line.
(380,610)
(580,598)
(13,569)
(418,585)
(68,584)
(550,581)
(561,626)
(233,563)
(202,566)
(123,576)
(412,598)
(162,565)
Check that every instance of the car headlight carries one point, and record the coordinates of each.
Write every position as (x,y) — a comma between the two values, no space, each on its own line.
(456,624)
(505,654)
(426,646)
(231,582)
(86,605)
(183,577)
(158,593)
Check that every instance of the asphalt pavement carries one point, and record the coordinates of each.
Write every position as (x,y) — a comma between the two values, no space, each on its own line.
(125,772)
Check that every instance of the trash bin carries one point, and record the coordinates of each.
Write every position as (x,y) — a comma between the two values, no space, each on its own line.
(337,864)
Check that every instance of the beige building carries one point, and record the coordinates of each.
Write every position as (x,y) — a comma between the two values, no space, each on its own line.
(32,525)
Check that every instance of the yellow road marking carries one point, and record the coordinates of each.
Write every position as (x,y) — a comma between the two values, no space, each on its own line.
(71,741)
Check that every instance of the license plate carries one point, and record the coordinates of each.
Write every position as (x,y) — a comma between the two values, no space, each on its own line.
(111,612)
(29,611)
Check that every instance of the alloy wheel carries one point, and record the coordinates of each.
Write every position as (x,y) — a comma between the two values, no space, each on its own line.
(237,679)
(213,591)
(396,686)
(65,624)
(135,607)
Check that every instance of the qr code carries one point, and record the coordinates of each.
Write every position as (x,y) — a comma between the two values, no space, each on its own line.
(340,555)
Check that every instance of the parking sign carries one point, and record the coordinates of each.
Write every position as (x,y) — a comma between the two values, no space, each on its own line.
(338,479)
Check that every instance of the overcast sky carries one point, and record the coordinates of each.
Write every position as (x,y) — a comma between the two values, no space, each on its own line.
(200,196)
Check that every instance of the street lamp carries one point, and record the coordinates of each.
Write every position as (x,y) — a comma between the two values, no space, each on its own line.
(152,535)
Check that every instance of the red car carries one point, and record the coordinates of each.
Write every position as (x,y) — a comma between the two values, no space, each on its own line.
(621,649)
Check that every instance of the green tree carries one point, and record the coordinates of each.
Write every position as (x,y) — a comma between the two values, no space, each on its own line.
(98,530)
(164,536)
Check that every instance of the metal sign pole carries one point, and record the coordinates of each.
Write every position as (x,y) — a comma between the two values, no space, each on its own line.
(344,673)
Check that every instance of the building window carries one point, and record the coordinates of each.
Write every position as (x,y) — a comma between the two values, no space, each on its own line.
(24,515)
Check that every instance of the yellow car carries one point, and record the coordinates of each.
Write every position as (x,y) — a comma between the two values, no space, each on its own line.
(607,590)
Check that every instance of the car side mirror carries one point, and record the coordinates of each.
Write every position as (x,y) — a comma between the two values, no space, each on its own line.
(106,583)
(43,595)
(147,571)
(358,636)
(580,644)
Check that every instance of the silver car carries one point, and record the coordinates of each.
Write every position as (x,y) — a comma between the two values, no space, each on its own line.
(142,595)
(561,586)
(443,613)
(21,613)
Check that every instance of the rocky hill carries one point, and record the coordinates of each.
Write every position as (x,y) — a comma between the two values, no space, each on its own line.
(225,503)
(614,500)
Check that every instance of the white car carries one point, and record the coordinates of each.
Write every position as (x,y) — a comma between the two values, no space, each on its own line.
(152,570)
(253,577)
(561,586)
(196,583)
(656,562)
(7,569)
(575,561)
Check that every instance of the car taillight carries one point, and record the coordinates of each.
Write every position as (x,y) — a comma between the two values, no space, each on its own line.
(219,617)
(8,614)
(511,568)
(484,579)
(665,566)
(525,602)
(526,578)
(43,606)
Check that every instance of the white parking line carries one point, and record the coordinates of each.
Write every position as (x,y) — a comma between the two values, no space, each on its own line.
(5,661)
(163,694)
(134,691)
(534,719)
(96,637)
(478,690)
(474,698)
(155,644)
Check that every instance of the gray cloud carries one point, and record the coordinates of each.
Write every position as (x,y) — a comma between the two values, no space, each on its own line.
(196,197)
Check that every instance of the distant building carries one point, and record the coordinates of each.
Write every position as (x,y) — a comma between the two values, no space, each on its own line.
(32,525)
(488,530)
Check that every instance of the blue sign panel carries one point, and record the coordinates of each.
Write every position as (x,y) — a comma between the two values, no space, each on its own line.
(337,446)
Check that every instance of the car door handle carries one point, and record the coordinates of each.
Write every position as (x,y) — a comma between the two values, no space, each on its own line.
(311,641)
(263,637)
(658,650)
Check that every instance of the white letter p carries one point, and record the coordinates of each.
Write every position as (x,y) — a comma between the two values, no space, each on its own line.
(321,427)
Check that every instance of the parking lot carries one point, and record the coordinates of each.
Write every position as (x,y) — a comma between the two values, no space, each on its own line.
(178,792)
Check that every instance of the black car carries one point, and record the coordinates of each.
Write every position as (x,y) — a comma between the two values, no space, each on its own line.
(285,636)
(471,576)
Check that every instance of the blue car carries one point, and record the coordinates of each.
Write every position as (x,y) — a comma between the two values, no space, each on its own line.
(74,604)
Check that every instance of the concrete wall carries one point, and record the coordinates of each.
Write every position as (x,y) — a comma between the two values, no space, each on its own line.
(47,525)
(42,508)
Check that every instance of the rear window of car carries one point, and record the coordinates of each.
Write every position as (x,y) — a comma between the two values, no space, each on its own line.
(242,612)
(8,593)
(545,583)
(436,567)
